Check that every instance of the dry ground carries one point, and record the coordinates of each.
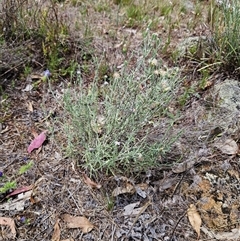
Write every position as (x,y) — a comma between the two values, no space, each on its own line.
(164,196)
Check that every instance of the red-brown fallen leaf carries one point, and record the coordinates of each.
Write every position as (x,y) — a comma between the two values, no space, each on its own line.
(91,183)
(19,190)
(56,231)
(37,142)
(78,222)
(8,222)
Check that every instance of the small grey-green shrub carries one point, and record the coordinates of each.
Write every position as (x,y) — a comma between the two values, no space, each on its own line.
(108,124)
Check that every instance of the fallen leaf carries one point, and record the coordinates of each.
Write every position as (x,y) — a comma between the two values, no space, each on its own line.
(184,166)
(78,222)
(194,218)
(8,222)
(68,239)
(233,235)
(20,190)
(37,142)
(91,183)
(131,210)
(121,190)
(30,106)
(228,146)
(56,231)
(17,203)
(166,183)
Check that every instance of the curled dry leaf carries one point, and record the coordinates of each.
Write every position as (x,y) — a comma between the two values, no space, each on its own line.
(91,183)
(194,218)
(9,222)
(77,222)
(166,183)
(129,188)
(56,231)
(37,142)
(228,146)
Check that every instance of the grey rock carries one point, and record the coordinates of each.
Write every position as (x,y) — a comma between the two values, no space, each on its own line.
(225,110)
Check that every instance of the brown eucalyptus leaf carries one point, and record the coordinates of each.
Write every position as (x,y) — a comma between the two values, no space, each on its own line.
(77,222)
(194,218)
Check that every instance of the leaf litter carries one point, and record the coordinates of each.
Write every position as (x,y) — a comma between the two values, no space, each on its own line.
(18,203)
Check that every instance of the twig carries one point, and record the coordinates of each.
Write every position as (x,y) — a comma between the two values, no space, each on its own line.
(14,67)
(171,238)
(141,211)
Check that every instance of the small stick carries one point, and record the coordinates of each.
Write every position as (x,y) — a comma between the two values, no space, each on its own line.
(177,225)
(142,211)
